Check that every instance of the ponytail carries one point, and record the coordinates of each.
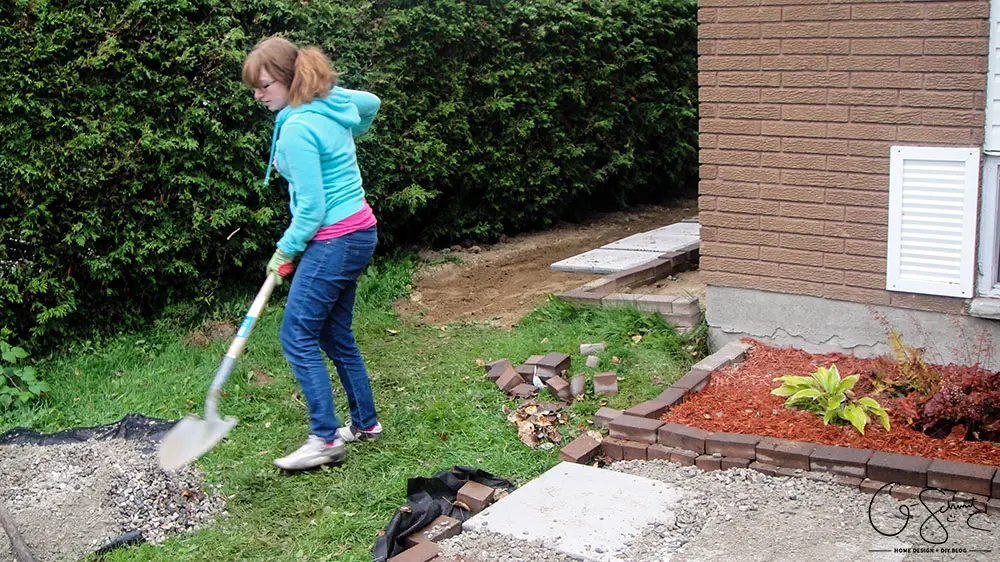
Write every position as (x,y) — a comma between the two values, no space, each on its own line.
(306,71)
(314,77)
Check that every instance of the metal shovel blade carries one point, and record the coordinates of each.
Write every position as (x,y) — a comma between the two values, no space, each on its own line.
(191,438)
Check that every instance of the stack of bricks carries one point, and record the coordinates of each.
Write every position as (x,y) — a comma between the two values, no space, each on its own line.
(549,370)
(422,544)
(681,311)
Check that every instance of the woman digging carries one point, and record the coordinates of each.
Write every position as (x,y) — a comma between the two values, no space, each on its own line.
(332,235)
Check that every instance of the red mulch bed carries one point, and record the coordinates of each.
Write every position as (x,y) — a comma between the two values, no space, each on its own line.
(739,400)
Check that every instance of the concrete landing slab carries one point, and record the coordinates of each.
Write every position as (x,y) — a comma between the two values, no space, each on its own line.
(581,511)
(630,252)
(603,262)
(667,239)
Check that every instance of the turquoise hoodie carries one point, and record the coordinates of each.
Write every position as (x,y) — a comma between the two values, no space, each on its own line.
(313,148)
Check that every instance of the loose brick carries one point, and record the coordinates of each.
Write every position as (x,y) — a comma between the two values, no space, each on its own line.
(526,371)
(581,450)
(708,462)
(533,359)
(902,469)
(559,387)
(840,460)
(578,385)
(649,409)
(634,450)
(694,381)
(423,552)
(994,489)
(961,476)
(782,452)
(524,390)
(492,364)
(604,416)
(613,448)
(475,495)
(605,383)
(683,437)
(509,380)
(635,428)
(442,527)
(671,396)
(553,364)
(732,445)
(498,369)
(734,462)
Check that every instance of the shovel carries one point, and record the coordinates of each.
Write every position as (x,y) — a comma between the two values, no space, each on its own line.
(192,437)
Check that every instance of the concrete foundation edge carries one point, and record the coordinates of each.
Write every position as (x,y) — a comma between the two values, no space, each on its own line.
(819,325)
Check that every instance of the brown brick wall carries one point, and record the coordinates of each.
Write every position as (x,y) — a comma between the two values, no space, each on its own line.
(800,101)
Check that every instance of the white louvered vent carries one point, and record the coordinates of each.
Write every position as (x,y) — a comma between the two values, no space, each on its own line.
(933,197)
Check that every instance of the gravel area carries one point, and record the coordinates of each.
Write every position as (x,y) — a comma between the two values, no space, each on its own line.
(67,500)
(744,515)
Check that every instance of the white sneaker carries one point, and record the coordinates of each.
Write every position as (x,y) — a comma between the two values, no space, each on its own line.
(350,434)
(314,453)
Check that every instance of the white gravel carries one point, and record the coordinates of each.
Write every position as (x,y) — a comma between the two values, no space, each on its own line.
(744,515)
(67,500)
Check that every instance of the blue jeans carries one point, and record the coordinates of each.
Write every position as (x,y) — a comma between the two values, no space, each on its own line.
(318,316)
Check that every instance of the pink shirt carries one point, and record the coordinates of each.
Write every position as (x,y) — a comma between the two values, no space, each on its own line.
(360,220)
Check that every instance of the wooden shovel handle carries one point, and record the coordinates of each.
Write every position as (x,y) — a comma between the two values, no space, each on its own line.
(21,553)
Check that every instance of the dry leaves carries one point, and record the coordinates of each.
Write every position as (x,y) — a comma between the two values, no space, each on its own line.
(537,423)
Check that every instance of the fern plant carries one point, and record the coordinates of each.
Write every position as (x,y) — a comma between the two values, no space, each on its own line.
(826,394)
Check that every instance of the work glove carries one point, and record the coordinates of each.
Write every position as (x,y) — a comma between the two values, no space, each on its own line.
(281,264)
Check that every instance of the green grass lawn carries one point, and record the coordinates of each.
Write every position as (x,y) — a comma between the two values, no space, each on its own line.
(435,405)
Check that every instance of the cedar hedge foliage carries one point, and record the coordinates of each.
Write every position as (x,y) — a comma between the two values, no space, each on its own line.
(132,159)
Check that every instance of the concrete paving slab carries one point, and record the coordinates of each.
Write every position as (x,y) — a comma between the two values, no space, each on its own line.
(581,511)
(666,239)
(631,251)
(603,262)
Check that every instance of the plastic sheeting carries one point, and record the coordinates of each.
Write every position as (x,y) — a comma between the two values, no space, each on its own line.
(428,498)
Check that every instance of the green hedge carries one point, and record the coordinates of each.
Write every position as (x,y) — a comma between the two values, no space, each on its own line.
(130,172)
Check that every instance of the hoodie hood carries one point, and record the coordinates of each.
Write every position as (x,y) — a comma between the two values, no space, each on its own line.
(336,106)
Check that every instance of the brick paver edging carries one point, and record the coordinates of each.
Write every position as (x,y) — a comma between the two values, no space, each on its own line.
(680,311)
(638,434)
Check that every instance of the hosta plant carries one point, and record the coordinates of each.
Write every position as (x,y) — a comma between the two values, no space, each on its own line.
(826,394)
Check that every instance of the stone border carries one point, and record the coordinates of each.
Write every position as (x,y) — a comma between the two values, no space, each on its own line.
(638,434)
(682,312)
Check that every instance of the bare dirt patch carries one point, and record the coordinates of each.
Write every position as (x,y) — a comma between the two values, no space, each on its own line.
(501,283)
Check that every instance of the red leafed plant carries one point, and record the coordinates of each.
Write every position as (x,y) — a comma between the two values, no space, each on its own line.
(969,396)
